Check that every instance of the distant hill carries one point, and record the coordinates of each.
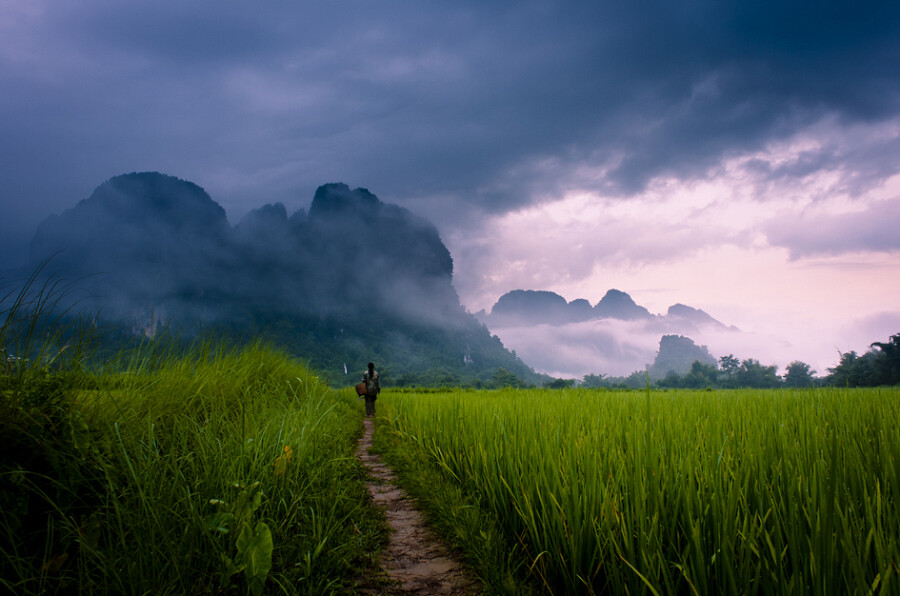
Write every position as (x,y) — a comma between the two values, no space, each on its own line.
(616,304)
(536,307)
(693,316)
(614,337)
(676,355)
(353,280)
(531,307)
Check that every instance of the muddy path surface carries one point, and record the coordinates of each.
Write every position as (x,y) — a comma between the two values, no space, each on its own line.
(415,561)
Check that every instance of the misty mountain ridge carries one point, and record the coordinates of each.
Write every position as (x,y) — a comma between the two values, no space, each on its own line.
(352,280)
(541,307)
(150,239)
(615,336)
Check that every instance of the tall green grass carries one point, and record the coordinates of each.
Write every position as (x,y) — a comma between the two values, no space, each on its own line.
(38,332)
(219,470)
(731,492)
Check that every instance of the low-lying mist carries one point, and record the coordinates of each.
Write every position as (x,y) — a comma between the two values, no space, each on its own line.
(616,348)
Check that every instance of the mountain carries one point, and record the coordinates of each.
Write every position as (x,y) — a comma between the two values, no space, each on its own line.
(354,279)
(138,240)
(693,316)
(377,255)
(531,307)
(676,355)
(614,337)
(616,304)
(536,307)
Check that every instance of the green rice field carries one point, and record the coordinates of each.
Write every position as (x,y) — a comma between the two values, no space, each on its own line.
(655,492)
(227,470)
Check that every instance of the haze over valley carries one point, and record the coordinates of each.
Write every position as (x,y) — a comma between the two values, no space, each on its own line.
(352,279)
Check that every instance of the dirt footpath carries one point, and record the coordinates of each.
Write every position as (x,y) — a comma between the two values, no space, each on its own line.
(415,561)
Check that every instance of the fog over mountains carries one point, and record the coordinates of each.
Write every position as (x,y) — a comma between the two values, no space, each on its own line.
(352,280)
(535,307)
(147,240)
(615,337)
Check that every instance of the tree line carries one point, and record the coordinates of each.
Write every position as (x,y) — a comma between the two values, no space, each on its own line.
(879,366)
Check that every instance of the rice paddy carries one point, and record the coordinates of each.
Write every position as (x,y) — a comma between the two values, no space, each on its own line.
(688,492)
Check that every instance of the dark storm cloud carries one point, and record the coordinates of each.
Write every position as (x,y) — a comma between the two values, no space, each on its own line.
(491,105)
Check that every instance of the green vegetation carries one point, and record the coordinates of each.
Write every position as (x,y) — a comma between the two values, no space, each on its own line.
(212,470)
(473,532)
(878,367)
(662,492)
(406,353)
(218,470)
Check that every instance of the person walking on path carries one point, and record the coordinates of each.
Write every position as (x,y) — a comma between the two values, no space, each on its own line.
(373,388)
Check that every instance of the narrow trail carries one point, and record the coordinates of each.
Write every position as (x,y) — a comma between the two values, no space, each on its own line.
(415,560)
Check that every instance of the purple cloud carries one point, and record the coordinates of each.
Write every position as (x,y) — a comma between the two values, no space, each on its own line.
(817,233)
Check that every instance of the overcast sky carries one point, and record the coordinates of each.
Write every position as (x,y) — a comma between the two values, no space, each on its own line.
(739,157)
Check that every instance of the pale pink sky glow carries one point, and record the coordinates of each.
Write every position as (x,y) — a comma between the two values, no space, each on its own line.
(794,268)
